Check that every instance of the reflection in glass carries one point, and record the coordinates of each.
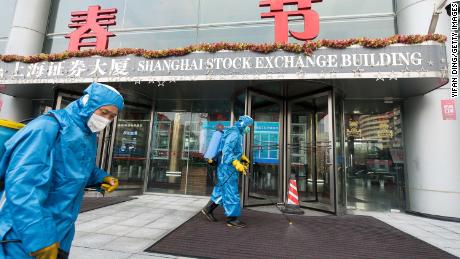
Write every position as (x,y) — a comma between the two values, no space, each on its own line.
(375,159)
(179,141)
(201,177)
(167,167)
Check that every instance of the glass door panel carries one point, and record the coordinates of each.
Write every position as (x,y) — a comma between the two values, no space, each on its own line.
(265,177)
(375,156)
(310,150)
(180,136)
(167,168)
(129,155)
(205,119)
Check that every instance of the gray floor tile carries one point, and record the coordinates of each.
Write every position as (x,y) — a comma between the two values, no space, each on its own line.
(453,251)
(128,244)
(90,226)
(110,219)
(89,253)
(150,256)
(85,217)
(140,220)
(445,234)
(94,240)
(164,224)
(114,229)
(148,233)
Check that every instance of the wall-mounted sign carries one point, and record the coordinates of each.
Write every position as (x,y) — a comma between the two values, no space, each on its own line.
(90,25)
(392,62)
(310,18)
(266,142)
(448,109)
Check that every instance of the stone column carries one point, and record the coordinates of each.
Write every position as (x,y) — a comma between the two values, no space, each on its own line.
(29,27)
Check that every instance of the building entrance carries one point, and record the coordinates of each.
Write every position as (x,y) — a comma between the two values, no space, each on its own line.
(292,137)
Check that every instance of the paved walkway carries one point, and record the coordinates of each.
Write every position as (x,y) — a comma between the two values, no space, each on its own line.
(442,234)
(125,230)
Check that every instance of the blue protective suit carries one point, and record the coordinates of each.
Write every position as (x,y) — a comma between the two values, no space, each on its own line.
(226,190)
(46,167)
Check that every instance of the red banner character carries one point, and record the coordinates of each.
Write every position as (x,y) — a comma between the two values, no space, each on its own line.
(90,25)
(310,17)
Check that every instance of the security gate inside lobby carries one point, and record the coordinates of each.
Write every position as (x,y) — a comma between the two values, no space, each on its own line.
(292,138)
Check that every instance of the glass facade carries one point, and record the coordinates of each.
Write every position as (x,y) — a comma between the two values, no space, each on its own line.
(178,23)
(343,154)
(375,155)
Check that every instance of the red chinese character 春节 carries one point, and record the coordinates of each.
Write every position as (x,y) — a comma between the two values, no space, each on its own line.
(89,25)
(310,17)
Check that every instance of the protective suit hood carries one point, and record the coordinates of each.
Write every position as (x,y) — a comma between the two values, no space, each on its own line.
(94,97)
(243,122)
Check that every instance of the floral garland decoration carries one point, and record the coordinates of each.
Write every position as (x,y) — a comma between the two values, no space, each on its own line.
(308,48)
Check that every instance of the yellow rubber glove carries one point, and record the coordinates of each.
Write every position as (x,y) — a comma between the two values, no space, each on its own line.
(49,252)
(240,167)
(109,184)
(245,159)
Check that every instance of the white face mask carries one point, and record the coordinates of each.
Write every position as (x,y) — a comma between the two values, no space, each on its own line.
(97,123)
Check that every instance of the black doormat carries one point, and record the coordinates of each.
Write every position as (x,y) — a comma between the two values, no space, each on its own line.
(92,203)
(270,236)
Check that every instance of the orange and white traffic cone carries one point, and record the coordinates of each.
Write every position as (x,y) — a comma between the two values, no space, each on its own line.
(292,206)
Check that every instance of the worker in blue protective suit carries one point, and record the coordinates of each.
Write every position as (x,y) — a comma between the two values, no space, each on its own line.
(230,163)
(46,167)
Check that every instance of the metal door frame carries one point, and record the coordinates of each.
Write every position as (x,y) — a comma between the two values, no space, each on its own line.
(248,144)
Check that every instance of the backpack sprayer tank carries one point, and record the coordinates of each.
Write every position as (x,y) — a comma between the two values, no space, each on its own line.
(7,130)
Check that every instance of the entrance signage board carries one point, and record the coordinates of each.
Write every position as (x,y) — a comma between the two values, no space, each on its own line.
(393,62)
(266,142)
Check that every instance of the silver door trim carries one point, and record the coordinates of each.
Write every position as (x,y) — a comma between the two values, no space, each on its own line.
(331,155)
(58,102)
(247,149)
(149,149)
(112,144)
